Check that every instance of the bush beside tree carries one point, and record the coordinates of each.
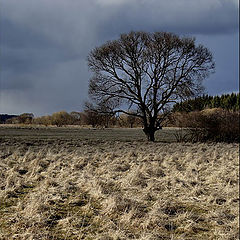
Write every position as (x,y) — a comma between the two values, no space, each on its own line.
(216,125)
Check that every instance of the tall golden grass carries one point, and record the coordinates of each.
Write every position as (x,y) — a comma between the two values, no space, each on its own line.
(119,190)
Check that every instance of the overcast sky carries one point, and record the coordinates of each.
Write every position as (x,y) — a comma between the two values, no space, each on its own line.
(44,44)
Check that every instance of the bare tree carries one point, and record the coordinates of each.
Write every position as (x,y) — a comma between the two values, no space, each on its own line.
(148,72)
(100,113)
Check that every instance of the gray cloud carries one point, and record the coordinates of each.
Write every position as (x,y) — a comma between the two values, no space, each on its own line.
(185,16)
(225,49)
(44,44)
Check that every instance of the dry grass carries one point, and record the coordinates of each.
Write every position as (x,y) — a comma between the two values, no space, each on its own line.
(119,190)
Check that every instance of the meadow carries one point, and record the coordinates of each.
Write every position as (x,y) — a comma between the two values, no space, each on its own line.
(109,184)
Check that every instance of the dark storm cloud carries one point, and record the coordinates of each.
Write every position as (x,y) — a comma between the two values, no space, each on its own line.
(44,44)
(225,49)
(19,36)
(181,16)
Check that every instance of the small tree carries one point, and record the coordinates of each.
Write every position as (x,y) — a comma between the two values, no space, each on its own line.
(61,118)
(131,120)
(148,72)
(126,120)
(103,112)
(76,118)
(92,118)
(26,118)
(44,120)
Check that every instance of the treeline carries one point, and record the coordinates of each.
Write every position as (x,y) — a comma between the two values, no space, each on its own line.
(25,118)
(87,117)
(225,101)
(5,117)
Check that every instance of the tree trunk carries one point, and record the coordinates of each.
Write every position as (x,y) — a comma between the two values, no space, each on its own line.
(152,136)
(150,133)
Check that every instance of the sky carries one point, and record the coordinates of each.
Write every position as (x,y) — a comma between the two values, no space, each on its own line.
(44,44)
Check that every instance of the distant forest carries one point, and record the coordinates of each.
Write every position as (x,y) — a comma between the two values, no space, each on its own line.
(225,101)
(5,117)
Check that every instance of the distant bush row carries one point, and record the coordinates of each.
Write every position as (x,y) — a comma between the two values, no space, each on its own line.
(87,117)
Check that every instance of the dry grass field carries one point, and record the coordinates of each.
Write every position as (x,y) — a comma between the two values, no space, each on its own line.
(112,184)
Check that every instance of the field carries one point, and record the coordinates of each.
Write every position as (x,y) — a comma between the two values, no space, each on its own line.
(72,183)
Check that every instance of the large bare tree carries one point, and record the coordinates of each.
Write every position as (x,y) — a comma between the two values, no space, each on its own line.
(144,73)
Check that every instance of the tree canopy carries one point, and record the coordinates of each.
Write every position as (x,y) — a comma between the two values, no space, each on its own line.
(147,72)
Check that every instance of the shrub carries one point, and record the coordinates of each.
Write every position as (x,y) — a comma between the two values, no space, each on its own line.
(208,125)
(129,121)
(61,118)
(44,120)
(26,118)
